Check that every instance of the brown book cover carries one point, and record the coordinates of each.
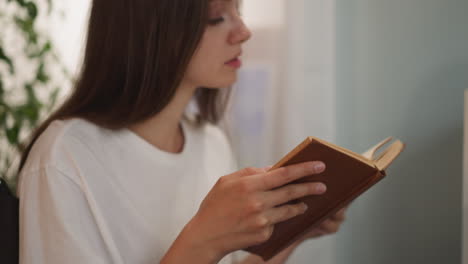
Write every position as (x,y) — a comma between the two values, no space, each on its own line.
(347,175)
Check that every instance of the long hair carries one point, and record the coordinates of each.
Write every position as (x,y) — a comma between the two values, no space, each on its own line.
(137,52)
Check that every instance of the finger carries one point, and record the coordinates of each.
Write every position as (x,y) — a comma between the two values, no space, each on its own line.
(321,232)
(291,192)
(261,236)
(340,215)
(330,226)
(316,232)
(249,238)
(285,212)
(249,171)
(278,177)
(273,216)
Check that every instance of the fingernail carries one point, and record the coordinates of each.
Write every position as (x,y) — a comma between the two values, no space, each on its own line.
(321,187)
(319,166)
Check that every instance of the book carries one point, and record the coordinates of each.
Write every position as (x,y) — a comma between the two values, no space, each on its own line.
(347,175)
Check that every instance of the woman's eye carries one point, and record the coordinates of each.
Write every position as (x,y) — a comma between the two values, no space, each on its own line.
(215,21)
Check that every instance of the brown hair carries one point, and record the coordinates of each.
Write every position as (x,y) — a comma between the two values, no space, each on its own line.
(137,52)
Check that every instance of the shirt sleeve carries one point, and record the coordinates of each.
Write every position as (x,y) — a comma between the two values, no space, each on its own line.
(56,222)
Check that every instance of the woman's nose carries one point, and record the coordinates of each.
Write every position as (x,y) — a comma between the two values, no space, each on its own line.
(240,34)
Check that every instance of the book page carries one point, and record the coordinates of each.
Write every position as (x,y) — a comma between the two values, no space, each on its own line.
(370,153)
(389,155)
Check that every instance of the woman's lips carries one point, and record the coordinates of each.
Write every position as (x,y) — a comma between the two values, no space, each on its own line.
(235,63)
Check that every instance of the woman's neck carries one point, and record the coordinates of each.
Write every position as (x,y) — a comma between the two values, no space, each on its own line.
(164,130)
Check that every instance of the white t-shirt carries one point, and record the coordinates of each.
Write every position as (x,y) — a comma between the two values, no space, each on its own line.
(93,195)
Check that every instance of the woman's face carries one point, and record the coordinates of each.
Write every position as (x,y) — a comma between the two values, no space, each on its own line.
(216,60)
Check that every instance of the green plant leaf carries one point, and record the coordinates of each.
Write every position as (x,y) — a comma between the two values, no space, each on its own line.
(30,112)
(38,49)
(13,134)
(2,92)
(7,60)
(31,96)
(21,2)
(53,98)
(41,75)
(46,48)
(2,116)
(27,27)
(32,10)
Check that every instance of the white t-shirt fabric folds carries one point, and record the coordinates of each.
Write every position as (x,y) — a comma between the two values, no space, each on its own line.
(93,195)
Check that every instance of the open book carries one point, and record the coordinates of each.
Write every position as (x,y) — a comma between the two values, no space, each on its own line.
(347,175)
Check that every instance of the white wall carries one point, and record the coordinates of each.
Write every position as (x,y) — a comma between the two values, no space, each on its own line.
(402,71)
(465,182)
(68,31)
(293,43)
(253,116)
(255,15)
(310,93)
(72,28)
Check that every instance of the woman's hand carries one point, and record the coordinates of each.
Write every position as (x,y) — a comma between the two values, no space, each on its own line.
(242,208)
(329,226)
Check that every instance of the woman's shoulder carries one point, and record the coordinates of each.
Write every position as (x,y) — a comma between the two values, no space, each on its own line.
(62,138)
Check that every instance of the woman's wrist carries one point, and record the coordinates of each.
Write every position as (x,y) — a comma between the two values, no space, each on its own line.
(190,248)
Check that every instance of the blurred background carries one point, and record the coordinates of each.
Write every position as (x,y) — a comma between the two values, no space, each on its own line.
(351,72)
(354,72)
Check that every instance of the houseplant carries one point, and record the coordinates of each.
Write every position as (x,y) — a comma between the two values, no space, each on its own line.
(30,76)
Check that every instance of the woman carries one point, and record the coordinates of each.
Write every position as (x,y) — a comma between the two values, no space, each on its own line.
(119,174)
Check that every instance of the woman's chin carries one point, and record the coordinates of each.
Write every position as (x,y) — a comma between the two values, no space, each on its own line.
(222,84)
(231,81)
